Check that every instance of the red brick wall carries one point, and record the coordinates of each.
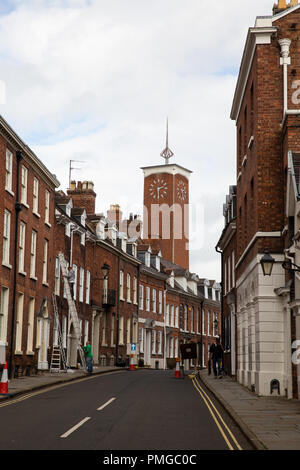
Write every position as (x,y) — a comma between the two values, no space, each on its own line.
(25,285)
(173,249)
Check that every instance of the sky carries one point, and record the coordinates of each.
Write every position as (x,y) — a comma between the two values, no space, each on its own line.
(95,80)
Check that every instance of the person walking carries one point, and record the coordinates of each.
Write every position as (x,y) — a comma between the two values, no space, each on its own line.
(216,355)
(89,357)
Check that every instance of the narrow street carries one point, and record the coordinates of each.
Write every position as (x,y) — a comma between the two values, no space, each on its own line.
(144,410)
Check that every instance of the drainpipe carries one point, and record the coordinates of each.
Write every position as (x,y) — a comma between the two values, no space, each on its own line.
(222,299)
(18,208)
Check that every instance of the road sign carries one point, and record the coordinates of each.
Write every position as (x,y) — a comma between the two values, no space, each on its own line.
(133,347)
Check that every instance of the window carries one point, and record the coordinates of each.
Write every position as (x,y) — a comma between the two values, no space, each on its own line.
(87,287)
(160,302)
(128,331)
(3,314)
(153,342)
(176,317)
(86,332)
(185,318)
(45,262)
(121,285)
(30,325)
(22,237)
(192,320)
(57,276)
(232,266)
(141,339)
(135,290)
(176,347)
(35,196)
(203,322)
(104,316)
(128,288)
(8,170)
(121,330)
(167,314)
(141,297)
(81,283)
(172,315)
(24,177)
(208,321)
(6,237)
(198,321)
(33,254)
(47,207)
(154,300)
(159,341)
(19,324)
(148,299)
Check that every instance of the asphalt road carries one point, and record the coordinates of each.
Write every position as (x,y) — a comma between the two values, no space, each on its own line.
(140,410)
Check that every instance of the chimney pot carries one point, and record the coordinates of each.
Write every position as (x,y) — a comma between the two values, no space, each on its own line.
(282,4)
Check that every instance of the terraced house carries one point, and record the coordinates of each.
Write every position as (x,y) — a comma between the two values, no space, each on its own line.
(128,295)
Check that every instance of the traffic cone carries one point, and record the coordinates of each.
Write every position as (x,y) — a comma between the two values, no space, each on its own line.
(177,370)
(4,382)
(131,362)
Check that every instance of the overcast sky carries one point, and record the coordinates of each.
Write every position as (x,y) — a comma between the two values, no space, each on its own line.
(94,80)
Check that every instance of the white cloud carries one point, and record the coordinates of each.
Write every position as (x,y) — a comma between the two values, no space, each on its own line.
(95,80)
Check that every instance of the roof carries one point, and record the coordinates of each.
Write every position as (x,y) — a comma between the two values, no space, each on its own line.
(77,211)
(28,152)
(143,248)
(61,198)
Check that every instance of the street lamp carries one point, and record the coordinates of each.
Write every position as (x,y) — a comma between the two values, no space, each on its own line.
(105,270)
(267,263)
(216,324)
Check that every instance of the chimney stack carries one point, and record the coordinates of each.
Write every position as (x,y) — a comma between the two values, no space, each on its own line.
(114,214)
(83,195)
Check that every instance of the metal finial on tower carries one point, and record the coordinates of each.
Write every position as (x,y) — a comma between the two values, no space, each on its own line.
(167,153)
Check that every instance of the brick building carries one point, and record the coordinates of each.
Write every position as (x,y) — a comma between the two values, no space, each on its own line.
(107,308)
(26,244)
(266,111)
(227,246)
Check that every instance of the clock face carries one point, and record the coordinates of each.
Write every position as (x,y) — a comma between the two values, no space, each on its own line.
(158,189)
(182,191)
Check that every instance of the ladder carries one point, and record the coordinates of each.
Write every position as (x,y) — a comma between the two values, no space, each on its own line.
(58,359)
(72,308)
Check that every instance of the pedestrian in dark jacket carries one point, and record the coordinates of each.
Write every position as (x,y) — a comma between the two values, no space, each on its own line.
(216,355)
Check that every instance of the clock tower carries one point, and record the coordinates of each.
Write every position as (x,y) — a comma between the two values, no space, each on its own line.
(166,209)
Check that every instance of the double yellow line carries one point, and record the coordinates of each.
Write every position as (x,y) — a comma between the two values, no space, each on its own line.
(229,438)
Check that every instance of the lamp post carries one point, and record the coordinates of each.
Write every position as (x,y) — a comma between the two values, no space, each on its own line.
(216,324)
(105,271)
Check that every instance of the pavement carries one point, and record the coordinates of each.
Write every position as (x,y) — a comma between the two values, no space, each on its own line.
(270,423)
